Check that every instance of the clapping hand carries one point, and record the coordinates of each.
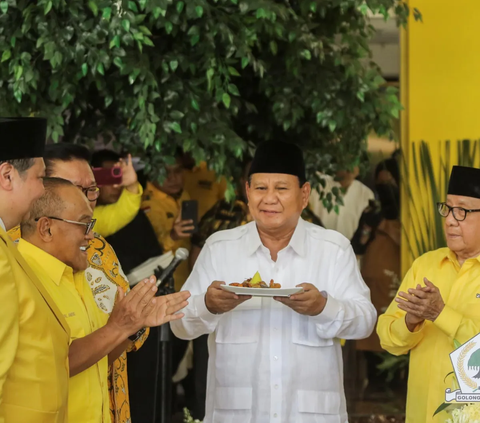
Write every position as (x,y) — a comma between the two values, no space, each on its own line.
(421,303)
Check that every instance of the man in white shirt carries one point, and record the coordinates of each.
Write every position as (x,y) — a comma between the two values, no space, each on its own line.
(277,360)
(355,201)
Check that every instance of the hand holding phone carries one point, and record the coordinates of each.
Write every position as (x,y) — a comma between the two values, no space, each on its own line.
(104,176)
(186,222)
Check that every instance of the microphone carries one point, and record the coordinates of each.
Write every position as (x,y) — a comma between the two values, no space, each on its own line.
(180,255)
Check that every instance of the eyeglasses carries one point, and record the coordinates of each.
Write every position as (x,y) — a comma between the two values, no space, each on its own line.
(92,193)
(88,225)
(459,213)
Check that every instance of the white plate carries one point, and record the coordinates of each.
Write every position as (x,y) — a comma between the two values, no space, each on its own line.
(262,292)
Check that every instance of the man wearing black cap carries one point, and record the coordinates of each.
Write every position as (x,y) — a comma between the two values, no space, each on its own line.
(34,336)
(277,359)
(439,301)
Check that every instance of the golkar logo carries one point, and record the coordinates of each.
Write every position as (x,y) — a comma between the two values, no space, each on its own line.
(466,365)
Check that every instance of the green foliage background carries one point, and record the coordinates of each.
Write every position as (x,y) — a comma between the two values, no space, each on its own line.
(214,77)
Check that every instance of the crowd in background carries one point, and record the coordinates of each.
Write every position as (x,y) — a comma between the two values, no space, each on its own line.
(148,228)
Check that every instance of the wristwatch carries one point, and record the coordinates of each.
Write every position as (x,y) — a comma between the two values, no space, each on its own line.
(136,336)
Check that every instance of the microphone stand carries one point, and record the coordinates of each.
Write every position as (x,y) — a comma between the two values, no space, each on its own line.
(163,380)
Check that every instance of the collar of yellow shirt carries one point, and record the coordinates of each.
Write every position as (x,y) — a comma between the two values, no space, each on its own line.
(44,263)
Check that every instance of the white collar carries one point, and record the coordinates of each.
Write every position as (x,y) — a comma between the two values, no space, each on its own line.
(297,242)
(3,225)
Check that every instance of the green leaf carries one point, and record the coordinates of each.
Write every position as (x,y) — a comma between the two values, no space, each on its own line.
(273,47)
(84,69)
(332,125)
(13,41)
(47,9)
(444,406)
(118,62)
(4,7)
(18,96)
(93,7)
(232,89)
(173,65)
(194,40)
(145,30)
(306,54)
(456,344)
(226,100)
(199,11)
(176,127)
(100,69)
(176,114)
(18,72)
(6,55)
(115,42)
(363,9)
(107,13)
(180,6)
(451,373)
(245,62)
(132,6)
(148,42)
(168,27)
(195,105)
(126,24)
(361,96)
(233,71)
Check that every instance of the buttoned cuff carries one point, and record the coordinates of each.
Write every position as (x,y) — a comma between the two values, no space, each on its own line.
(400,331)
(330,311)
(448,321)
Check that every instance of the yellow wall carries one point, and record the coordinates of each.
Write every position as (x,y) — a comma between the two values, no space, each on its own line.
(440,89)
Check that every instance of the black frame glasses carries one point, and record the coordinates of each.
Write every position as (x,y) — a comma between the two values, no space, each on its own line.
(92,193)
(88,225)
(459,213)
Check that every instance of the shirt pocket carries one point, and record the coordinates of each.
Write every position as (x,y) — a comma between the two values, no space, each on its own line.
(232,405)
(318,402)
(242,324)
(304,332)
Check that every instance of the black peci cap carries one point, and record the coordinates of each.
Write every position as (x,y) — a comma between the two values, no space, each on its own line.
(279,157)
(464,181)
(22,138)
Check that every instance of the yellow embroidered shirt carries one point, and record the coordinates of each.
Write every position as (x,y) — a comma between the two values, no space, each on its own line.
(113,217)
(432,342)
(88,399)
(162,210)
(202,185)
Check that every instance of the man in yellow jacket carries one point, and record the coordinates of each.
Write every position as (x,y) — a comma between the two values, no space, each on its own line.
(438,301)
(34,336)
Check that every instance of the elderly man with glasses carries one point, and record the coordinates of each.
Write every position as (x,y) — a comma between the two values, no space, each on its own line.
(55,238)
(439,301)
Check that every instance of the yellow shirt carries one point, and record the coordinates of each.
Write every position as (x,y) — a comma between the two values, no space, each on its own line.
(113,217)
(104,274)
(88,399)
(162,210)
(34,342)
(431,343)
(202,185)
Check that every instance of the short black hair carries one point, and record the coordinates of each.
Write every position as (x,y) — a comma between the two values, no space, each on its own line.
(102,156)
(21,165)
(64,152)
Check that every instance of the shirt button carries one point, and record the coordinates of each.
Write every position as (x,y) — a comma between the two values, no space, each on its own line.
(275,357)
(275,415)
(276,386)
